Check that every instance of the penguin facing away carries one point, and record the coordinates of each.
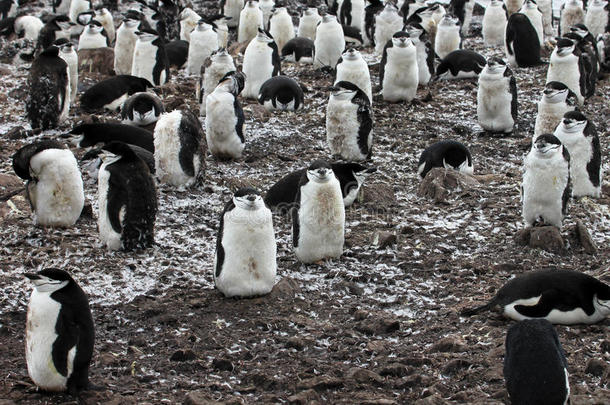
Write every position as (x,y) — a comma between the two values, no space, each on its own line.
(351,13)
(494,23)
(353,68)
(232,8)
(177,52)
(546,8)
(579,137)
(142,109)
(59,334)
(522,44)
(280,27)
(250,22)
(57,27)
(557,99)
(398,71)
(111,93)
(281,93)
(329,43)
(299,50)
(425,53)
(370,15)
(245,262)
(215,68)
(448,154)
(497,97)
(149,58)
(86,135)
(530,10)
(563,297)
(460,64)
(261,62)
(127,199)
(535,367)
(463,9)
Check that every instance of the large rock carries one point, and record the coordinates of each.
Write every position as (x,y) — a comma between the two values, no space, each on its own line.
(322,382)
(542,237)
(100,60)
(439,183)
(583,238)
(380,194)
(364,376)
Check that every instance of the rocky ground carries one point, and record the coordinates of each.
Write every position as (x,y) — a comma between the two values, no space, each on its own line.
(380,325)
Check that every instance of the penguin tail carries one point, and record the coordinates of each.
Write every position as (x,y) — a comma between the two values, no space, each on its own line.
(477,310)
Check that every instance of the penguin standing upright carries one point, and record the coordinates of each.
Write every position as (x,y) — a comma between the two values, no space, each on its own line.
(597,18)
(219,22)
(127,199)
(48,100)
(215,68)
(250,21)
(557,99)
(579,137)
(281,93)
(398,72)
(546,186)
(368,26)
(261,62)
(56,28)
(349,122)
(546,8)
(318,219)
(125,43)
(530,10)
(232,8)
(521,42)
(494,23)
(266,7)
(54,184)
(224,118)
(387,23)
(353,68)
(329,43)
(448,36)
(28,27)
(351,13)
(425,53)
(93,36)
(513,6)
(59,333)
(535,367)
(462,9)
(68,54)
(203,42)
(245,263)
(149,58)
(179,148)
(105,18)
(308,23)
(142,109)
(188,22)
(589,57)
(566,67)
(280,27)
(571,13)
(497,97)
(448,154)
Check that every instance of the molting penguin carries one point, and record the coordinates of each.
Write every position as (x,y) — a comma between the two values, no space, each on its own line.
(530,10)
(125,43)
(179,148)
(93,36)
(127,199)
(546,186)
(142,109)
(318,220)
(462,9)
(387,23)
(281,93)
(460,64)
(298,50)
(329,43)
(351,13)
(308,23)
(28,27)
(245,264)
(59,333)
(566,67)
(214,69)
(232,9)
(349,122)
(86,135)
(513,6)
(281,28)
(48,100)
(368,27)
(546,8)
(398,72)
(103,16)
(521,42)
(353,68)
(425,53)
(571,13)
(579,136)
(448,154)
(188,22)
(68,54)
(204,41)
(494,23)
(219,22)
(563,297)
(597,19)
(57,27)
(497,97)
(557,99)
(54,185)
(250,21)
(261,62)
(77,7)
(448,36)
(267,7)
(110,94)
(149,58)
(224,118)
(535,367)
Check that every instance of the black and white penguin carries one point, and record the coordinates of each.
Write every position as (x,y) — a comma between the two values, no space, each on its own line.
(142,109)
(28,27)
(530,10)
(111,93)
(546,186)
(497,97)
(281,93)
(352,36)
(368,28)
(8,8)
(521,42)
(494,23)
(54,185)
(261,62)
(149,58)
(387,22)
(93,36)
(448,36)
(448,154)
(48,101)
(571,13)
(267,7)
(513,6)
(351,13)
(603,49)
(105,18)
(61,7)
(398,71)
(219,22)
(96,154)
(224,118)
(69,55)
(215,68)
(203,42)
(566,67)
(535,367)
(87,135)
(425,53)
(349,122)
(281,27)
(410,7)
(127,199)
(57,27)
(557,99)
(460,64)
(125,42)
(308,23)
(462,9)
(77,7)
(353,68)
(563,297)
(318,219)
(589,56)
(59,333)
(245,264)
(298,49)
(329,43)
(250,21)
(597,18)
(579,136)
(232,8)
(188,22)
(424,16)
(179,148)
(177,52)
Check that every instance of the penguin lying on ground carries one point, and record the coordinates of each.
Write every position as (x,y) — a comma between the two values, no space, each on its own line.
(448,154)
(281,93)
(111,93)
(142,109)
(460,64)
(298,50)
(86,135)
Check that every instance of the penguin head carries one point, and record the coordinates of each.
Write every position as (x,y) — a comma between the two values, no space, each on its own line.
(530,4)
(264,36)
(415,31)
(147,35)
(390,8)
(132,18)
(310,11)
(115,150)
(580,30)
(555,92)
(351,54)
(279,10)
(401,39)
(344,90)
(85,17)
(233,82)
(248,198)
(252,4)
(320,171)
(94,27)
(327,18)
(449,20)
(547,146)
(203,25)
(574,122)
(564,46)
(49,280)
(495,65)
(64,45)
(221,55)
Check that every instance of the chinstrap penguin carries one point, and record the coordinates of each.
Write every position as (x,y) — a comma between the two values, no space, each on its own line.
(460,64)
(177,52)
(557,99)
(125,42)
(93,36)
(425,53)
(232,8)
(494,23)
(531,11)
(105,18)
(87,135)
(250,22)
(566,67)
(215,68)
(267,7)
(497,97)
(387,22)
(149,58)
(448,36)
(353,68)
(308,23)
(398,71)
(298,50)
(597,18)
(69,55)
(142,109)
(203,42)
(261,62)
(281,93)
(521,42)
(373,7)
(28,27)
(280,27)
(111,93)
(188,22)
(571,13)
(448,154)
(56,28)
(329,43)
(463,9)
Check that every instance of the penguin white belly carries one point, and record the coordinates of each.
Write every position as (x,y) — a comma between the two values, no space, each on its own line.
(59,196)
(282,31)
(511,312)
(549,116)
(123,50)
(565,70)
(232,9)
(29,26)
(494,104)
(116,104)
(423,73)
(356,72)
(257,67)
(342,129)
(167,151)
(329,45)
(494,26)
(222,33)
(570,16)
(357,14)
(555,316)
(321,222)
(468,8)
(401,75)
(581,153)
(220,122)
(447,40)
(596,20)
(249,266)
(201,47)
(307,27)
(72,61)
(109,237)
(211,77)
(144,60)
(248,25)
(384,30)
(40,336)
(546,8)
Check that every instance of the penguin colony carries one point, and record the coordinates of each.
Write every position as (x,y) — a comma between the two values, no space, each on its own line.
(564,160)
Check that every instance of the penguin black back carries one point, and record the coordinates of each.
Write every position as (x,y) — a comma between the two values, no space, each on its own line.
(370,11)
(300,47)
(21,158)
(103,132)
(177,52)
(281,89)
(522,40)
(106,91)
(47,33)
(447,152)
(461,60)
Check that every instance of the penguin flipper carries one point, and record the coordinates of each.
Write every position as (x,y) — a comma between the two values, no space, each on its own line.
(550,300)
(67,337)
(117,199)
(294,213)
(479,309)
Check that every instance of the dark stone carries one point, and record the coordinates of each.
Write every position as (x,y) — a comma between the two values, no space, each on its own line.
(319,383)
(17,132)
(295,343)
(378,326)
(449,344)
(100,60)
(199,398)
(222,364)
(380,194)
(394,370)
(364,376)
(584,238)
(438,183)
(306,397)
(384,239)
(186,355)
(547,238)
(286,288)
(605,346)
(596,367)
(455,366)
